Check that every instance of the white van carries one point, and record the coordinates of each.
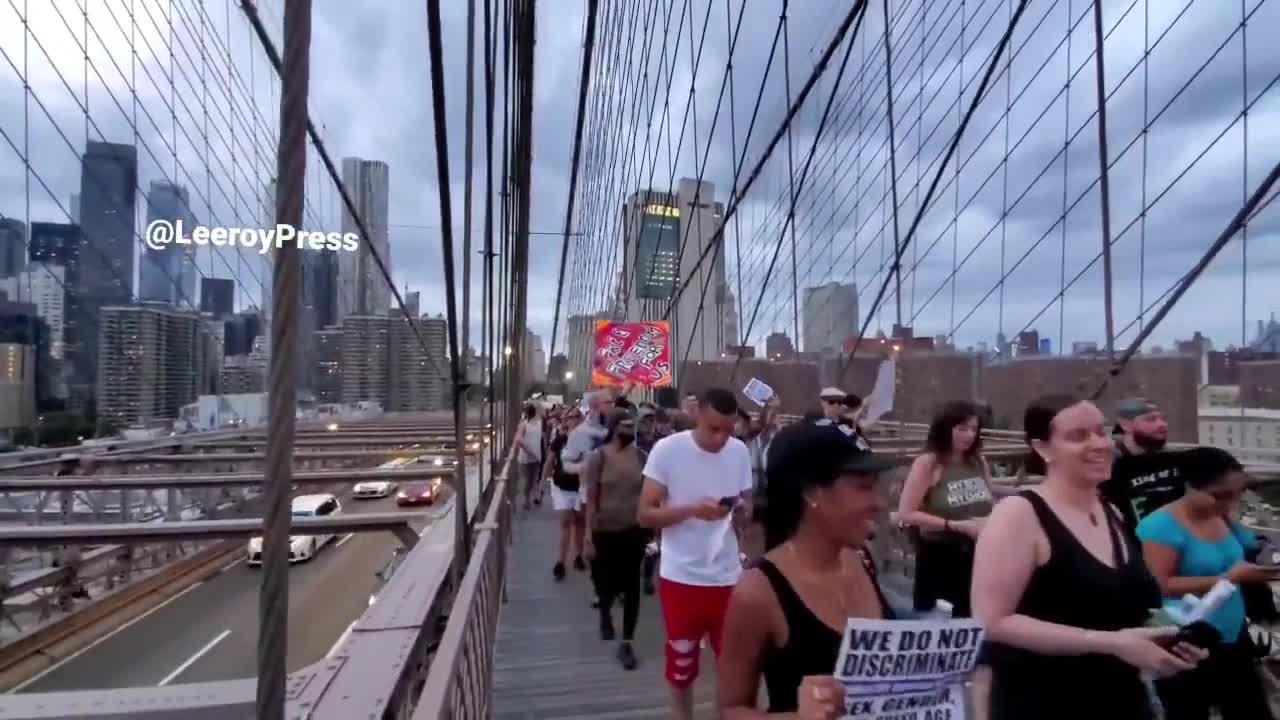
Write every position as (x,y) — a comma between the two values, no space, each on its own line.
(302,547)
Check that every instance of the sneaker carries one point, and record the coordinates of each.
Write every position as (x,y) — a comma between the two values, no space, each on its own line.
(558,571)
(578,564)
(627,656)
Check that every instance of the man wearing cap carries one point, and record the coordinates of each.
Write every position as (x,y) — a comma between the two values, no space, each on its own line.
(832,400)
(1145,476)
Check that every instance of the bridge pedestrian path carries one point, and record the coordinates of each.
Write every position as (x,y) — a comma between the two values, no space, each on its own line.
(550,661)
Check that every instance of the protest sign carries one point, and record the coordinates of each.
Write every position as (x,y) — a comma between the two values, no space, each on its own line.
(758,392)
(907,669)
(635,353)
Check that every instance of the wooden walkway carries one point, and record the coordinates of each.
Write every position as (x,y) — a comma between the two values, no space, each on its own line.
(551,662)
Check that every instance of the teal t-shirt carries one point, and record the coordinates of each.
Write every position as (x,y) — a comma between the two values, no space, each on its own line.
(1198,558)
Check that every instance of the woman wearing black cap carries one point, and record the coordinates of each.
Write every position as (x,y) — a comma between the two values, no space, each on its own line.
(787,615)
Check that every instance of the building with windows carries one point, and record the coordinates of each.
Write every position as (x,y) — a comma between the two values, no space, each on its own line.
(1251,434)
(168,273)
(151,362)
(108,198)
(667,234)
(830,317)
(217,297)
(13,247)
(361,288)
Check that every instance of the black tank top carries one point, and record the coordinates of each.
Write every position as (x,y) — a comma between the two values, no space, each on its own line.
(1074,588)
(812,646)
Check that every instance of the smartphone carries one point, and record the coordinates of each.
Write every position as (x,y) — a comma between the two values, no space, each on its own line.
(730,501)
(1199,633)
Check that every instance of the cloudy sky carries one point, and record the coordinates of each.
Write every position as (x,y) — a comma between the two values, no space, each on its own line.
(1193,115)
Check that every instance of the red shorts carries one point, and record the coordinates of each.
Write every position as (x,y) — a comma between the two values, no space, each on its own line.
(691,612)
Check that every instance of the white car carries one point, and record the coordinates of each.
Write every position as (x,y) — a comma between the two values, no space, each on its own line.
(302,547)
(373,489)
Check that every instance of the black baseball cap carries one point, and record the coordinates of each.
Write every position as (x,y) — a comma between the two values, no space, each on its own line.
(824,450)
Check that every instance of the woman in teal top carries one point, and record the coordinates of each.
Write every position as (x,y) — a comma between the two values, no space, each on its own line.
(1189,545)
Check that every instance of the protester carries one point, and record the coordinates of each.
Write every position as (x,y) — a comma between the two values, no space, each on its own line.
(693,481)
(787,615)
(1063,591)
(945,500)
(616,542)
(529,441)
(831,400)
(765,428)
(1190,545)
(1145,476)
(565,498)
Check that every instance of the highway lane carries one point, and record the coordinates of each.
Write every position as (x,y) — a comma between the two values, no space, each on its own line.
(210,631)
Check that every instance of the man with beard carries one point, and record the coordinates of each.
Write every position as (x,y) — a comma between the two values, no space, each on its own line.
(1145,476)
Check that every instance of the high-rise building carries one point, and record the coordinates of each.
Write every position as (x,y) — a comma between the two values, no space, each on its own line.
(74,208)
(218,297)
(43,285)
(151,362)
(418,379)
(108,202)
(13,247)
(666,234)
(412,303)
(319,278)
(20,324)
(830,316)
(241,375)
(729,311)
(242,330)
(535,359)
(168,273)
(581,342)
(1028,343)
(17,385)
(362,290)
(778,347)
(366,358)
(326,374)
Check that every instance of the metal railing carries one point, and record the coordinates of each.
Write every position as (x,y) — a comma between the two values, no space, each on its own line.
(380,669)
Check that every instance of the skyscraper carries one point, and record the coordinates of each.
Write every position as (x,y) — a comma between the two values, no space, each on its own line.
(152,362)
(13,247)
(108,203)
(668,232)
(168,273)
(830,316)
(319,274)
(361,288)
(217,297)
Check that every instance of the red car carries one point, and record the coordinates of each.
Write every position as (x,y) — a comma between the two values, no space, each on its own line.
(419,493)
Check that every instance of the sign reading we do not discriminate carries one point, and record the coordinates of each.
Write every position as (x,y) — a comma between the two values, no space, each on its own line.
(907,669)
(632,353)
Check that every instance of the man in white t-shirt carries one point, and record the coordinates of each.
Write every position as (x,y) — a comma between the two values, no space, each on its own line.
(693,482)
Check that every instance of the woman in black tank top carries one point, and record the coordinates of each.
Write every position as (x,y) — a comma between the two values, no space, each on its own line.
(787,615)
(1063,590)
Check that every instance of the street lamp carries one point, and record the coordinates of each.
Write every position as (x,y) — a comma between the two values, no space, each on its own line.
(568,375)
(507,351)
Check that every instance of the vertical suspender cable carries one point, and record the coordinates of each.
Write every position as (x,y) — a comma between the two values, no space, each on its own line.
(291,169)
(461,536)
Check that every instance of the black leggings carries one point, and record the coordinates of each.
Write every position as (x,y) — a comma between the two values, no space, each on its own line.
(1228,680)
(944,571)
(616,573)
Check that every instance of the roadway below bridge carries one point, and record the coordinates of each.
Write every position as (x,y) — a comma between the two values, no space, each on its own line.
(209,631)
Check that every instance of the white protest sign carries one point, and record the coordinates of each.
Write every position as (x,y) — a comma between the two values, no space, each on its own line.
(907,669)
(758,392)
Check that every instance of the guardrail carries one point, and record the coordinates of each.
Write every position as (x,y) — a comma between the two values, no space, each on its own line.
(378,670)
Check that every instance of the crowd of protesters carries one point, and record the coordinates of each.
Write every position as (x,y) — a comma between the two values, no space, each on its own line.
(1065,575)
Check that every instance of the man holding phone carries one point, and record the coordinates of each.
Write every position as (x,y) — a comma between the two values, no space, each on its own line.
(695,483)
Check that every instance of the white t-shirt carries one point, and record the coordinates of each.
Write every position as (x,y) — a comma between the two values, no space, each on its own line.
(698,552)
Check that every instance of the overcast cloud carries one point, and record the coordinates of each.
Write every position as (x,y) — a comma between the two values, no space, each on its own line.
(370,91)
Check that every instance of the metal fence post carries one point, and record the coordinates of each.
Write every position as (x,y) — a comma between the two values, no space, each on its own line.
(291,166)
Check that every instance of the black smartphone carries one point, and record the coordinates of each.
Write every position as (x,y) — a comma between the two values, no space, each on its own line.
(730,501)
(1199,633)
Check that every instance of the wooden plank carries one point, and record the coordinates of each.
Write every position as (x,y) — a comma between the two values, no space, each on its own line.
(551,662)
